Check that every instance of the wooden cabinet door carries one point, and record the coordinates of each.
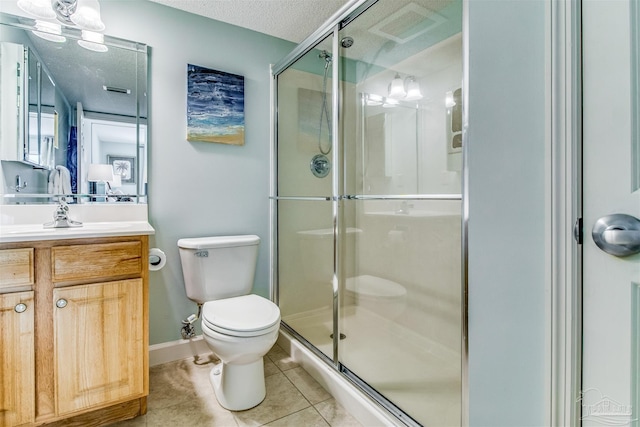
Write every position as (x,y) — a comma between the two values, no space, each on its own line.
(17,371)
(98,339)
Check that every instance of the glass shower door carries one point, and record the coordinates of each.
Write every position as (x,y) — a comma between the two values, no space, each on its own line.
(304,199)
(401,285)
(368,204)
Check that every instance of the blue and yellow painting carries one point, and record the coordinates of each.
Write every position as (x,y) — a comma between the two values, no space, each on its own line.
(215,106)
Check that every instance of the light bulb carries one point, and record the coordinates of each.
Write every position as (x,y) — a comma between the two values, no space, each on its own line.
(449,100)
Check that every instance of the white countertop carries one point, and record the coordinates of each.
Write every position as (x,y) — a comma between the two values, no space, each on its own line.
(25,223)
(33,232)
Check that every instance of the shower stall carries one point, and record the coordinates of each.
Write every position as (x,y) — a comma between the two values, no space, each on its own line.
(367,206)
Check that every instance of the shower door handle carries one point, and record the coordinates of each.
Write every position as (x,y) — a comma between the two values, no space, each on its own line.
(617,234)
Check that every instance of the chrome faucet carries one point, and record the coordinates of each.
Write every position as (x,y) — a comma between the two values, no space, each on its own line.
(61,217)
(20,184)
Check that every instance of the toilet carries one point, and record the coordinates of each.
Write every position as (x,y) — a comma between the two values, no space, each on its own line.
(239,327)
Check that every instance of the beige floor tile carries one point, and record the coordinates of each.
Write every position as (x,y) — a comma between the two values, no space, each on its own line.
(308,417)
(336,415)
(170,384)
(182,396)
(309,387)
(199,374)
(270,368)
(281,358)
(282,399)
(196,412)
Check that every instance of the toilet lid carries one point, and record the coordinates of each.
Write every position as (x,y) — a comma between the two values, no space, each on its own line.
(373,286)
(246,315)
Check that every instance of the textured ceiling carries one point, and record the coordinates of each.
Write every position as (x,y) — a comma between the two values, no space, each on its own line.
(291,20)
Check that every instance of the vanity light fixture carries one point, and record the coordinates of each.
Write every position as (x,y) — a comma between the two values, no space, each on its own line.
(51,31)
(396,88)
(413,89)
(93,41)
(390,103)
(449,100)
(373,100)
(407,89)
(85,14)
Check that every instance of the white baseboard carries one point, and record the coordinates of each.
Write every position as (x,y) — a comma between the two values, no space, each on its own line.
(175,350)
(360,406)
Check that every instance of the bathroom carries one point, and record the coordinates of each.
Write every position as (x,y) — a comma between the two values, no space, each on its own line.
(198,189)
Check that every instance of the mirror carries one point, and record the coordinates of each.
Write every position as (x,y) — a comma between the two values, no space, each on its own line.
(66,107)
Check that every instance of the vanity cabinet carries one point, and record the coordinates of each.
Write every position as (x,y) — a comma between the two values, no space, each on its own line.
(84,332)
(17,359)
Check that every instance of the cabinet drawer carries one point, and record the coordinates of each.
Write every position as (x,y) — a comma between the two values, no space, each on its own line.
(17,267)
(80,262)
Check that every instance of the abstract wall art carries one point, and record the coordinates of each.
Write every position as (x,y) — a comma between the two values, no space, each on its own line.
(215,106)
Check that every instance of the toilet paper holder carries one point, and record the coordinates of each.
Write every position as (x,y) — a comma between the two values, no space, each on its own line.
(157,259)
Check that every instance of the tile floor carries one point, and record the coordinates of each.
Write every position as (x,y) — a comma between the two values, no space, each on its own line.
(180,395)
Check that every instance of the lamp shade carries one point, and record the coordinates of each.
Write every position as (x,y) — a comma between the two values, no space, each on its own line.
(49,31)
(413,89)
(396,88)
(87,15)
(99,172)
(117,181)
(93,41)
(40,8)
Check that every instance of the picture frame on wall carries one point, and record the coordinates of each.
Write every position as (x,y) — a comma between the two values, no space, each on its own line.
(215,106)
(123,166)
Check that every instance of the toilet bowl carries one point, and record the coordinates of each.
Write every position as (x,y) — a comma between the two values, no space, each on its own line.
(240,331)
(381,296)
(239,327)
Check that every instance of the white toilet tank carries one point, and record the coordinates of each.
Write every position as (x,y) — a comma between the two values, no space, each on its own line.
(218,267)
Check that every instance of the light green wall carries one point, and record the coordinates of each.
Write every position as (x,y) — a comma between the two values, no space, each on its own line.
(196,188)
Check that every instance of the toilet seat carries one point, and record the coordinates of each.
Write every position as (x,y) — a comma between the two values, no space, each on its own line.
(243,316)
(374,287)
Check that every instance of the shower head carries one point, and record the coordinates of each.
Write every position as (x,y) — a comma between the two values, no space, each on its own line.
(346,42)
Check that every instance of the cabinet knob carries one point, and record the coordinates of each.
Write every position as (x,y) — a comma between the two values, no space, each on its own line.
(61,303)
(20,308)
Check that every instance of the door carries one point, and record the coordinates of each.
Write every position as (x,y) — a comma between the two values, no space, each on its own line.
(17,380)
(99,345)
(611,283)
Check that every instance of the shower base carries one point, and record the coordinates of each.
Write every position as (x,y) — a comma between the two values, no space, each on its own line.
(418,375)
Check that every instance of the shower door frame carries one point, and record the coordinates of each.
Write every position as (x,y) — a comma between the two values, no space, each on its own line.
(331,27)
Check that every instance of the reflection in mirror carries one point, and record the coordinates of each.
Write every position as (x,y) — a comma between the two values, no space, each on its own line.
(76,107)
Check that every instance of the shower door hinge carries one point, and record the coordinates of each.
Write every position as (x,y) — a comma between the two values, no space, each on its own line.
(577,231)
